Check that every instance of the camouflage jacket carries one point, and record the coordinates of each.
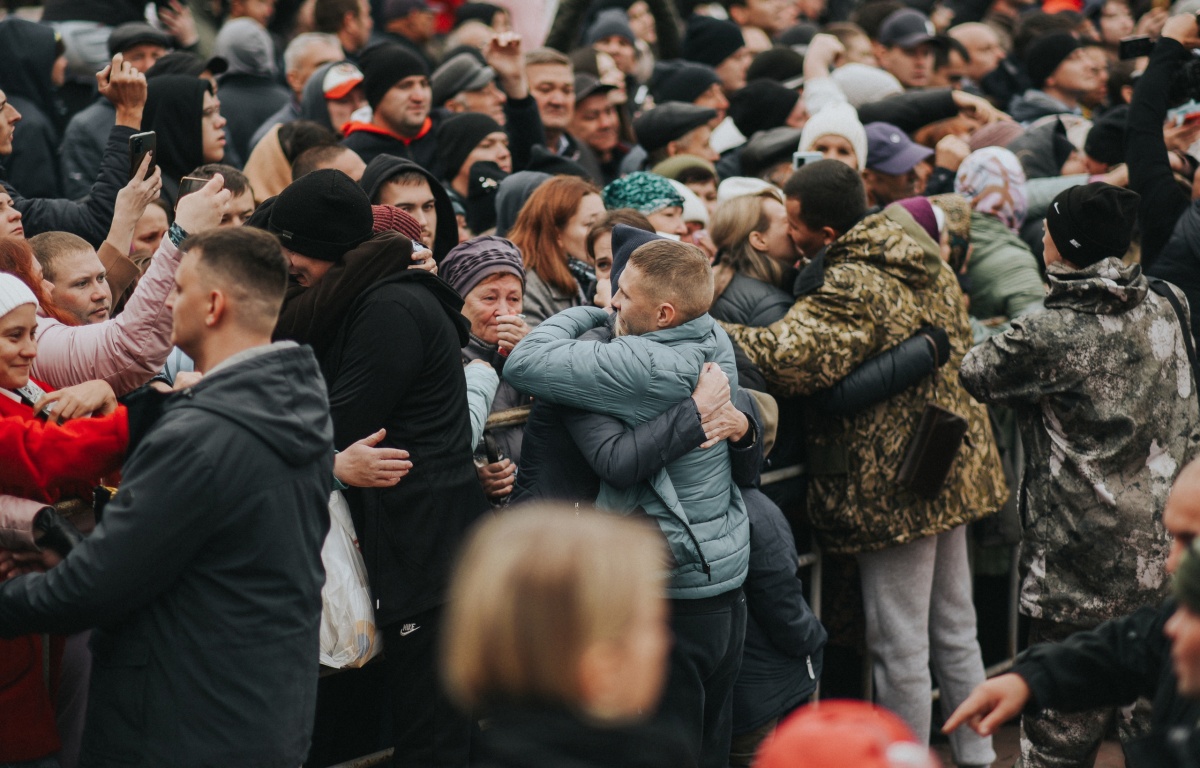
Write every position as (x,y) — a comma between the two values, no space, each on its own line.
(883,280)
(1106,402)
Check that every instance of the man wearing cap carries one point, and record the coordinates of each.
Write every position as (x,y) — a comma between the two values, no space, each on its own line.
(905,47)
(691,83)
(670,129)
(1152,653)
(303,56)
(410,23)
(595,123)
(1106,401)
(1060,72)
(498,89)
(83,140)
(388,340)
(894,165)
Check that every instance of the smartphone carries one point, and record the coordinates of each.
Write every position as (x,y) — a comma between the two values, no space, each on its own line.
(1184,114)
(190,184)
(1135,47)
(801,159)
(140,145)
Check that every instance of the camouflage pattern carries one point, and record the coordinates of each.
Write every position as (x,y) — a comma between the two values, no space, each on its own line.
(884,279)
(1106,402)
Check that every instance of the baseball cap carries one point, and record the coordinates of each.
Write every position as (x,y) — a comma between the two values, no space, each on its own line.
(906,28)
(890,151)
(340,79)
(833,734)
(588,85)
(460,73)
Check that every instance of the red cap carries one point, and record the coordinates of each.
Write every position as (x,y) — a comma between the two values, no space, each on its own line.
(836,734)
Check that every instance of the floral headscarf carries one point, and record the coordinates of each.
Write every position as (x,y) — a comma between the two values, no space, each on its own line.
(993,180)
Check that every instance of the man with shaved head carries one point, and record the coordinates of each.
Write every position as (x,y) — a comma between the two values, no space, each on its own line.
(983,46)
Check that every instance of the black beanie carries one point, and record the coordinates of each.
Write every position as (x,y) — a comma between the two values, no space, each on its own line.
(710,41)
(1092,222)
(322,215)
(781,64)
(459,134)
(385,65)
(1106,141)
(1044,56)
(681,80)
(761,105)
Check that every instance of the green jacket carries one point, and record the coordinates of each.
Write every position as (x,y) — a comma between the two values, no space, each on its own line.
(635,378)
(1005,279)
(883,280)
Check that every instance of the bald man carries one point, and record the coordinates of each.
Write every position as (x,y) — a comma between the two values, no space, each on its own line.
(1154,652)
(983,45)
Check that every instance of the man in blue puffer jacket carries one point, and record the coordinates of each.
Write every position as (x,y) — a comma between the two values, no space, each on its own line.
(665,338)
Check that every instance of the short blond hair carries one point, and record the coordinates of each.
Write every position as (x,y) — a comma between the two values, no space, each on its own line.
(675,273)
(534,589)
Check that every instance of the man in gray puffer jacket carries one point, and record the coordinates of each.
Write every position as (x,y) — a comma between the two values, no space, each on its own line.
(665,338)
(1106,399)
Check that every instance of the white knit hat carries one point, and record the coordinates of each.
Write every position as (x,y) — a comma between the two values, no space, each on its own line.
(693,207)
(736,186)
(14,293)
(837,120)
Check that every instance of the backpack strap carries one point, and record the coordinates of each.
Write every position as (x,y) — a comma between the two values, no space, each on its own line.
(1163,288)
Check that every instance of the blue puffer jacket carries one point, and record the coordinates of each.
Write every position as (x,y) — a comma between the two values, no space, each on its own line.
(634,378)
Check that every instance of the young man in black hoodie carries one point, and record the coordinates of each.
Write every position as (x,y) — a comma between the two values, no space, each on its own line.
(390,180)
(389,341)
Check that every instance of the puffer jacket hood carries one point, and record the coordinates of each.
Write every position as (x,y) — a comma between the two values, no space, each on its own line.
(893,242)
(247,47)
(312,99)
(26,59)
(384,167)
(299,431)
(1108,287)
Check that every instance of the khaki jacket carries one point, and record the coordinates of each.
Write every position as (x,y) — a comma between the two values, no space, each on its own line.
(883,280)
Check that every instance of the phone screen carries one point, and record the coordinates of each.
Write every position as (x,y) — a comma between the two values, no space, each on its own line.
(140,145)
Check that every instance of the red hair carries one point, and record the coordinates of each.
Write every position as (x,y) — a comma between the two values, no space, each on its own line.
(16,257)
(540,224)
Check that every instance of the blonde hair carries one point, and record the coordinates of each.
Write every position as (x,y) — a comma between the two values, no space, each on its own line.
(534,589)
(732,223)
(678,273)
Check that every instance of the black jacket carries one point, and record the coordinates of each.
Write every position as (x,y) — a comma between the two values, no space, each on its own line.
(782,659)
(530,736)
(89,218)
(397,364)
(910,111)
(370,142)
(1112,665)
(27,54)
(247,101)
(1163,202)
(203,578)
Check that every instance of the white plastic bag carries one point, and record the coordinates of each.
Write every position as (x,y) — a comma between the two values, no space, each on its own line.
(348,633)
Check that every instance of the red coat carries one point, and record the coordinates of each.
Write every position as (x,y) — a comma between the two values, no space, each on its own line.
(44,461)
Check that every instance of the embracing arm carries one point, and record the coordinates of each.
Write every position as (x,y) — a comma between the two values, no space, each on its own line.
(482,383)
(625,456)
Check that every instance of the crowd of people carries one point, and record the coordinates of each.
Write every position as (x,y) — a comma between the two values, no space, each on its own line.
(541,292)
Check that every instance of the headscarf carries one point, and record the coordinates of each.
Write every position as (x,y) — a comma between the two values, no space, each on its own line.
(958,226)
(993,180)
(644,192)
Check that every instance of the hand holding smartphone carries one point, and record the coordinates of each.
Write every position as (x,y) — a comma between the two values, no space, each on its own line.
(140,145)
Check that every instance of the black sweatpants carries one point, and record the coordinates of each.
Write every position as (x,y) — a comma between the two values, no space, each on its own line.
(427,729)
(697,702)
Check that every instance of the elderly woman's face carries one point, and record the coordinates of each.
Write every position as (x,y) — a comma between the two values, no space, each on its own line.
(497,295)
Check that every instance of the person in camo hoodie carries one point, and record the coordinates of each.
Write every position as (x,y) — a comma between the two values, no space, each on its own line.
(1106,401)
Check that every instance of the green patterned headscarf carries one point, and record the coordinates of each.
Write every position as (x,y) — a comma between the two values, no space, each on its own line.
(644,192)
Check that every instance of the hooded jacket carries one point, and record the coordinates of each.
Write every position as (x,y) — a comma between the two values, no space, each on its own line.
(370,141)
(27,54)
(384,167)
(1034,104)
(883,279)
(250,92)
(175,111)
(1106,401)
(393,360)
(203,578)
(1004,275)
(312,99)
(693,500)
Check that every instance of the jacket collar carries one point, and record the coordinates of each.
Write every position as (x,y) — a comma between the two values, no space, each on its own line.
(1107,287)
